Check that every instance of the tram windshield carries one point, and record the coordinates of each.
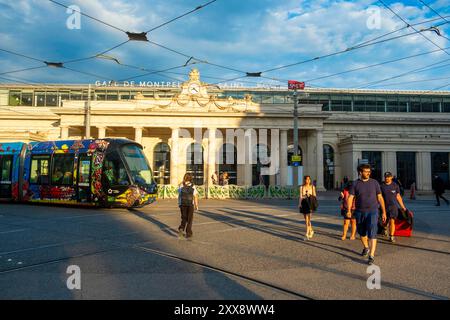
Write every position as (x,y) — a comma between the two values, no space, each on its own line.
(138,165)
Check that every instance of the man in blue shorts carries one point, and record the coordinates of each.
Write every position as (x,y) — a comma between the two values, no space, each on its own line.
(392,200)
(368,195)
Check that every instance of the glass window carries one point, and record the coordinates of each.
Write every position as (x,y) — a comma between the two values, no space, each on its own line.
(14,98)
(26,99)
(39,169)
(446,105)
(267,99)
(228,163)
(51,99)
(112,95)
(76,95)
(392,104)
(138,165)
(40,99)
(426,105)
(65,95)
(5,176)
(161,163)
(406,168)
(114,170)
(359,104)
(62,169)
(194,162)
(278,99)
(328,166)
(439,166)
(256,97)
(414,104)
(125,95)
(5,166)
(84,170)
(101,95)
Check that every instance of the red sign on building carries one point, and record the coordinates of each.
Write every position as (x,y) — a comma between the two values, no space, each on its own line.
(293,85)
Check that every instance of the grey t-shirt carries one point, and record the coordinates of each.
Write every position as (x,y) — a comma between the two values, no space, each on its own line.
(366,195)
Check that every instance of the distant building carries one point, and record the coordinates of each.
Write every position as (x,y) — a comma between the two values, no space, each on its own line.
(405,132)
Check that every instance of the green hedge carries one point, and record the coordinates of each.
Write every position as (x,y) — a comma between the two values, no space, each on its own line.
(234,192)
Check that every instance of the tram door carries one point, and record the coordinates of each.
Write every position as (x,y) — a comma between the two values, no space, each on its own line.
(84,178)
(5,176)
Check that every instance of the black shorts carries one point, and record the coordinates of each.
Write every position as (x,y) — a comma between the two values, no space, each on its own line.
(392,212)
(344,214)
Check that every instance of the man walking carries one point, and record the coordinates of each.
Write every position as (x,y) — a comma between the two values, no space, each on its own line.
(439,189)
(368,195)
(392,199)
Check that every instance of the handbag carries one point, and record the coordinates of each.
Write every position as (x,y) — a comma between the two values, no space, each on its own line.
(314,203)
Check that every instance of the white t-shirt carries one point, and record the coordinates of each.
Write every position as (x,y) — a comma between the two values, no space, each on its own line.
(187,185)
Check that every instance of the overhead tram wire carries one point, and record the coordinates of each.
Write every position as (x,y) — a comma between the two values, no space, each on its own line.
(22,70)
(437,13)
(406,22)
(133,36)
(403,28)
(250,74)
(415,81)
(95,55)
(88,16)
(421,69)
(344,51)
(374,65)
(181,16)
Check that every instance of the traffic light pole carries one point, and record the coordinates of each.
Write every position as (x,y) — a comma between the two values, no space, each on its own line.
(295,168)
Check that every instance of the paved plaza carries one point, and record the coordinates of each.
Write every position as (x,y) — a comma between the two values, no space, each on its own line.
(240,250)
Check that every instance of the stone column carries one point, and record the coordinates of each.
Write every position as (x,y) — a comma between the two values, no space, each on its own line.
(101,132)
(174,155)
(248,160)
(64,132)
(138,134)
(389,162)
(212,146)
(319,160)
(423,171)
(283,157)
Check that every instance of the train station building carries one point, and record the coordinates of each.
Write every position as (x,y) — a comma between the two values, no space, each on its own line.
(405,132)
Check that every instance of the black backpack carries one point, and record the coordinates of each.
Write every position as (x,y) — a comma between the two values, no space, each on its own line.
(187,195)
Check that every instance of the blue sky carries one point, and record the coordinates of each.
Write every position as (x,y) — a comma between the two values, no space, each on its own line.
(247,35)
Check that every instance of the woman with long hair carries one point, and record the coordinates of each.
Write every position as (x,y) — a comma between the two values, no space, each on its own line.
(307,192)
(188,202)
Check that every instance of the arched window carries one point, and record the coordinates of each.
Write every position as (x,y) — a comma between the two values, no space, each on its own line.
(161,163)
(328,167)
(195,163)
(228,162)
(291,153)
(262,160)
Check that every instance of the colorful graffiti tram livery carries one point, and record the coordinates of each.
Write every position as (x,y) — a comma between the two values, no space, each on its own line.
(104,172)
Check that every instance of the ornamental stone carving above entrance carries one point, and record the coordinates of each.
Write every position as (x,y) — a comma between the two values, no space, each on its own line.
(194,96)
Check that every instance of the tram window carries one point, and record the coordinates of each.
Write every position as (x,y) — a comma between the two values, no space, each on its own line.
(114,170)
(5,167)
(62,173)
(39,169)
(139,168)
(84,171)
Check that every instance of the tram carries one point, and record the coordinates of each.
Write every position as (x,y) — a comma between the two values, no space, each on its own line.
(102,172)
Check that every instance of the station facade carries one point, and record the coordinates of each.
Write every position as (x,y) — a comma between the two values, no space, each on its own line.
(404,132)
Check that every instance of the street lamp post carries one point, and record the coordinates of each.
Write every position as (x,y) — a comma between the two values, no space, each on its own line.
(295,168)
